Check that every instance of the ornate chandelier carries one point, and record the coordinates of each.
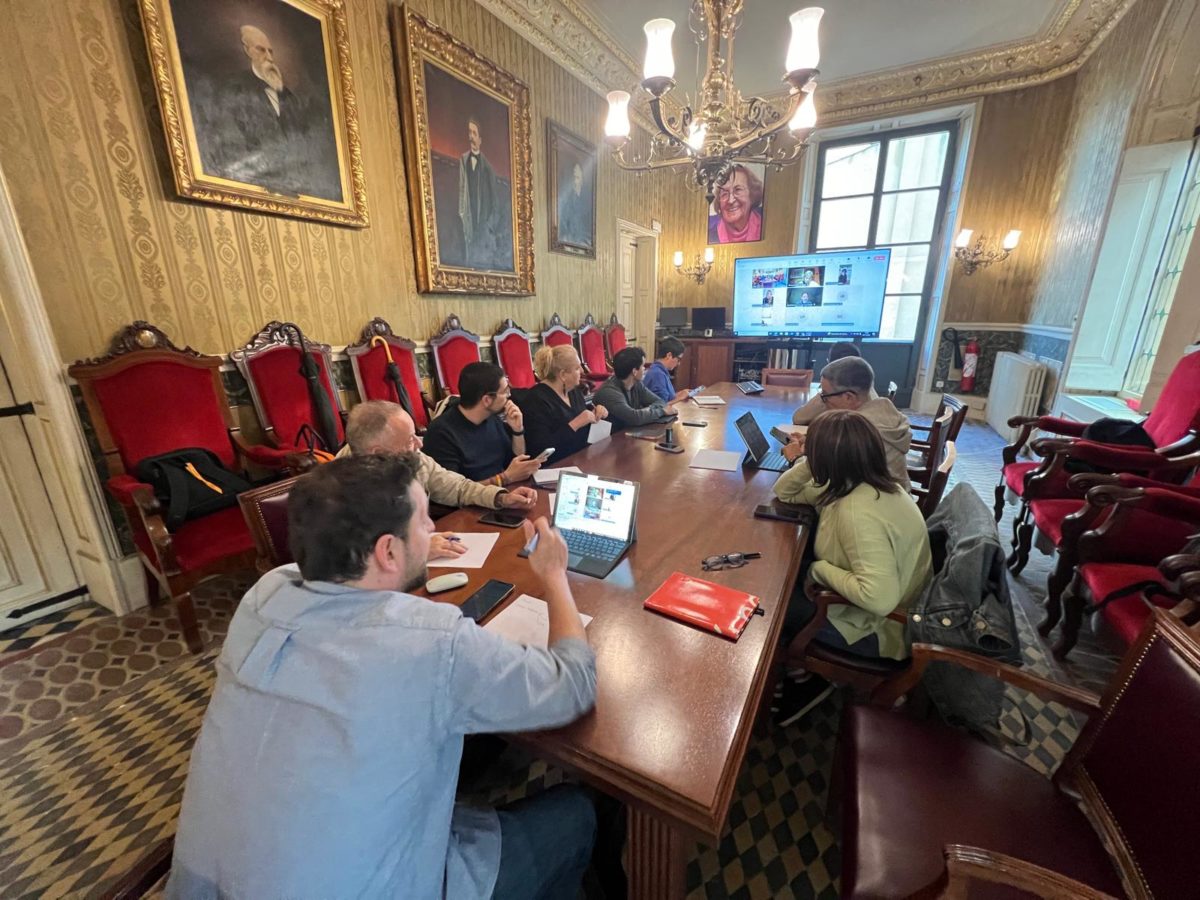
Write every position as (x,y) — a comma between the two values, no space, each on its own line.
(723,128)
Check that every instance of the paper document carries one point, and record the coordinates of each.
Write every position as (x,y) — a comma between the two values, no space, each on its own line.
(725,460)
(527,621)
(598,431)
(543,477)
(709,400)
(478,544)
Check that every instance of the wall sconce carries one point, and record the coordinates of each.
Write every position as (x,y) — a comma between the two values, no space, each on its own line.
(982,255)
(698,269)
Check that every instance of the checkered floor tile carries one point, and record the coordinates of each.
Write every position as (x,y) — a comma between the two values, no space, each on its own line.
(96,726)
(45,629)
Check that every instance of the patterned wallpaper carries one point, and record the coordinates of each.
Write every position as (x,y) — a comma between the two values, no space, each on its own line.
(82,148)
(1106,89)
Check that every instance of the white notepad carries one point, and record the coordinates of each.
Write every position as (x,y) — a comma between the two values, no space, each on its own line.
(598,431)
(725,460)
(478,544)
(527,621)
(709,400)
(543,477)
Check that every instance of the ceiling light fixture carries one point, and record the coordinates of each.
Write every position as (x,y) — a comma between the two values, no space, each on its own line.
(723,129)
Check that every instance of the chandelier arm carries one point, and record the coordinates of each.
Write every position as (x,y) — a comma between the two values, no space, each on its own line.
(666,129)
(763,131)
(637,165)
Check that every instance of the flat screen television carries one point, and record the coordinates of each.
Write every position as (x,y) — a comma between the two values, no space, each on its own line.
(810,295)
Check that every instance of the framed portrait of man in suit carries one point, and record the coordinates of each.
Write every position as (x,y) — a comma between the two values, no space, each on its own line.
(257,101)
(467,157)
(571,165)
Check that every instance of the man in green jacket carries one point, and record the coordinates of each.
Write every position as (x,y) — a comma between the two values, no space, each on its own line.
(628,401)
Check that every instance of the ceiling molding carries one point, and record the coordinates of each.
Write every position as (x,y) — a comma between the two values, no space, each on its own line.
(573,38)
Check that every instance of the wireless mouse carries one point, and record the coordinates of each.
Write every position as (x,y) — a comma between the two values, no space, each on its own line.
(447,582)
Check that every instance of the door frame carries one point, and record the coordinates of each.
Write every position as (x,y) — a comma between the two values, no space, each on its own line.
(39,375)
(647,264)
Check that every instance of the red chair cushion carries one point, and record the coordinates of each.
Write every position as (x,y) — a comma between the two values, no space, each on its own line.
(592,344)
(202,542)
(513,353)
(556,337)
(1014,475)
(909,788)
(284,393)
(1178,407)
(1127,615)
(156,407)
(616,340)
(1048,516)
(452,356)
(372,369)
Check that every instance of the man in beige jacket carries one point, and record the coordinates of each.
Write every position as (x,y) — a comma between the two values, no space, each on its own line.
(849,383)
(378,426)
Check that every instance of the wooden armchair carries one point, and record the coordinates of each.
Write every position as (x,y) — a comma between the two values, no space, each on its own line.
(453,349)
(265,510)
(958,411)
(925,807)
(512,354)
(929,498)
(923,464)
(591,351)
(271,363)
(557,334)
(147,397)
(789,378)
(385,368)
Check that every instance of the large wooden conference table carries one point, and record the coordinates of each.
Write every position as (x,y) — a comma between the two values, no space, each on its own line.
(675,706)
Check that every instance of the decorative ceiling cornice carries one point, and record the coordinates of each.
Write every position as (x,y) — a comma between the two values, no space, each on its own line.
(576,40)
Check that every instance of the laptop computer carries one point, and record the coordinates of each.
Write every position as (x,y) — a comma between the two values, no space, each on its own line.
(597,517)
(759,454)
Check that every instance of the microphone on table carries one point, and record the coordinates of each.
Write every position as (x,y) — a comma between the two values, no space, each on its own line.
(668,442)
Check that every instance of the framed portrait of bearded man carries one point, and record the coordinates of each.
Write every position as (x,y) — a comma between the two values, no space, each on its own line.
(257,100)
(468,160)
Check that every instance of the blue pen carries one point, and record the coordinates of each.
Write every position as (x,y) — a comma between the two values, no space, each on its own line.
(455,539)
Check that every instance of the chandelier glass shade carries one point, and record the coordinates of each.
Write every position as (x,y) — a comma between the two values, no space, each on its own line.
(721,128)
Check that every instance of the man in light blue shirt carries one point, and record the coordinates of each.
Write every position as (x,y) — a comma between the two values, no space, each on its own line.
(328,759)
(658,373)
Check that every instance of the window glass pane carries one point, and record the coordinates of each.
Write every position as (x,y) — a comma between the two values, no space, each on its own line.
(850,169)
(904,218)
(916,161)
(900,317)
(844,223)
(906,274)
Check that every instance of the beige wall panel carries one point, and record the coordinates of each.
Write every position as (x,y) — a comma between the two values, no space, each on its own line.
(1106,88)
(1169,108)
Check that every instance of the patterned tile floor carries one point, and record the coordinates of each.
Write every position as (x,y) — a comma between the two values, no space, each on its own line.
(96,725)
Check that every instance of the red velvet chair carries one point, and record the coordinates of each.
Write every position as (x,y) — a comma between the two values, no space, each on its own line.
(923,804)
(369,360)
(557,334)
(147,397)
(1173,425)
(271,366)
(591,351)
(1134,526)
(614,337)
(453,348)
(512,353)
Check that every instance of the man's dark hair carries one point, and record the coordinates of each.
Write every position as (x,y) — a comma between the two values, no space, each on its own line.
(850,373)
(845,450)
(340,509)
(627,360)
(842,349)
(477,380)
(670,344)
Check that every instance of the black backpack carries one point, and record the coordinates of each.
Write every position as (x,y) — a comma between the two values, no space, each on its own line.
(190,483)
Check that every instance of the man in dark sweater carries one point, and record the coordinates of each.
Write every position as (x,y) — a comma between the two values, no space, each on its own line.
(482,436)
(628,401)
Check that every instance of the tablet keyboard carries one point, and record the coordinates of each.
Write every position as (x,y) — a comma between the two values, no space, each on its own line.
(750,387)
(593,545)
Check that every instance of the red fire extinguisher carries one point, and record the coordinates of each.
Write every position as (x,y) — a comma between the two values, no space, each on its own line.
(970,363)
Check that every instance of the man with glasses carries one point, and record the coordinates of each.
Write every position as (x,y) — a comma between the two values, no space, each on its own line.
(482,436)
(382,427)
(849,383)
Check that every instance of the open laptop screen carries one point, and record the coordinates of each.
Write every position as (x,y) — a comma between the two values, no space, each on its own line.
(755,440)
(597,505)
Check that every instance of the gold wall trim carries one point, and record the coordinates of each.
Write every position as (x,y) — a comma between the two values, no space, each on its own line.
(571,36)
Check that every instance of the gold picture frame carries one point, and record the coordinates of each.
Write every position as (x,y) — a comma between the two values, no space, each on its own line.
(571,167)
(468,163)
(257,101)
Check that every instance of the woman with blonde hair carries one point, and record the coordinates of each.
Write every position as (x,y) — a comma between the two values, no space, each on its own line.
(555,409)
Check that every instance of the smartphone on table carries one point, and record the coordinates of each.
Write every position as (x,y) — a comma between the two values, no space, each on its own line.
(502,517)
(484,600)
(795,513)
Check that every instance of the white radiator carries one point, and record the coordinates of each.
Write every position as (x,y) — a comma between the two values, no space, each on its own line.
(1016,391)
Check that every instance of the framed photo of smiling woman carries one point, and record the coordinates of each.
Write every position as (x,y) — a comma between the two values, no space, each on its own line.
(257,102)
(736,214)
